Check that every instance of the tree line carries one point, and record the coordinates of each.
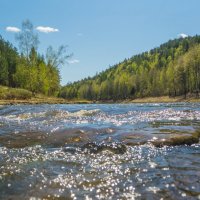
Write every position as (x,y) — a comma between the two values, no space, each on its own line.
(27,68)
(172,69)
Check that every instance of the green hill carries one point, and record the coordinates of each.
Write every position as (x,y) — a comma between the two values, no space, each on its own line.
(172,69)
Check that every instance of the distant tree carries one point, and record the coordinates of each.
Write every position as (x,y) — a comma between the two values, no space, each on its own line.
(192,64)
(181,77)
(3,70)
(27,39)
(54,60)
(57,58)
(8,60)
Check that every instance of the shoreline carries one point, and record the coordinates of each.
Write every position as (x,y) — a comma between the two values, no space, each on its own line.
(35,101)
(165,99)
(50,100)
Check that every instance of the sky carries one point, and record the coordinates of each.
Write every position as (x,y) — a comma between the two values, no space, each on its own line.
(100,33)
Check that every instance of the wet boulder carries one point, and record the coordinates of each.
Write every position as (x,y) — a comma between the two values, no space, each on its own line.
(160,140)
(114,147)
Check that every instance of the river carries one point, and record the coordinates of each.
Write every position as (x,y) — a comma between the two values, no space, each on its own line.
(100,151)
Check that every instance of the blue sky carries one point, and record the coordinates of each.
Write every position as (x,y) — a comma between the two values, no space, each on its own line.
(100,33)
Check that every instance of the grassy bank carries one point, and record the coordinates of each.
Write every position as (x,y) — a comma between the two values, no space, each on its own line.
(21,96)
(9,96)
(7,93)
(32,100)
(39,100)
(164,99)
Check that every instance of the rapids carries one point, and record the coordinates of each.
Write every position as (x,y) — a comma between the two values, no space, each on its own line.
(100,151)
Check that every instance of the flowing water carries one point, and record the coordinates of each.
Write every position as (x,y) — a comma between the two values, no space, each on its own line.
(110,151)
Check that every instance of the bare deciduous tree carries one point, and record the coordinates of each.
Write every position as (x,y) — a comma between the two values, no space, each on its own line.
(27,38)
(57,58)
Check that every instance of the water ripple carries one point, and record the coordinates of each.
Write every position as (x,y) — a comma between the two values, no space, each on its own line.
(99,151)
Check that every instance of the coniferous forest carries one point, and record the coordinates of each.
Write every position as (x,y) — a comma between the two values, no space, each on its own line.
(173,69)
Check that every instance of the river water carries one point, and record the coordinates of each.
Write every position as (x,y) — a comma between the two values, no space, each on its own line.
(108,151)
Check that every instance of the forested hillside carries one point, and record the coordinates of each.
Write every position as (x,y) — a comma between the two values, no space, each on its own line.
(28,69)
(172,69)
(32,74)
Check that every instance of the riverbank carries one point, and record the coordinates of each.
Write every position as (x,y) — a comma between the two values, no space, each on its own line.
(53,100)
(41,100)
(164,99)
(10,96)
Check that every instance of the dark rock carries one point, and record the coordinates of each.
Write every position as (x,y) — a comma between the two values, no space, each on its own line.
(114,147)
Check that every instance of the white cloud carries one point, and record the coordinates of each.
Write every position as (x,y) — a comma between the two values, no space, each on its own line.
(12,29)
(73,61)
(46,29)
(182,35)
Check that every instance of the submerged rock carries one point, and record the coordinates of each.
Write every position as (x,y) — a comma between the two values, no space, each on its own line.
(57,139)
(136,139)
(163,139)
(178,140)
(60,139)
(21,140)
(95,141)
(114,147)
